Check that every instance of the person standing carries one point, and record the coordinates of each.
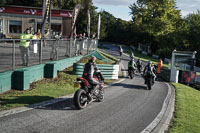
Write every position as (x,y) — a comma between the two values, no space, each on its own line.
(160,63)
(54,54)
(24,46)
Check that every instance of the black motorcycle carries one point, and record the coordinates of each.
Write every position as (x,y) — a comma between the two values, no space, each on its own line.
(139,68)
(149,80)
(131,72)
(81,96)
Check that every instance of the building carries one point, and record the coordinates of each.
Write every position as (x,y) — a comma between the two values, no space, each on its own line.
(16,19)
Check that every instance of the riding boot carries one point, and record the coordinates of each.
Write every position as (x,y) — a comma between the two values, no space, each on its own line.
(90,98)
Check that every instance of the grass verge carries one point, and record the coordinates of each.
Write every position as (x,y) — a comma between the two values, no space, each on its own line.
(42,90)
(187,110)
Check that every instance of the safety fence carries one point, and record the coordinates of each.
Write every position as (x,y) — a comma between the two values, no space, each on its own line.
(108,71)
(21,78)
(13,56)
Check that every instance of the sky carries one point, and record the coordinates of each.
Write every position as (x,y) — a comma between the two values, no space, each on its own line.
(120,9)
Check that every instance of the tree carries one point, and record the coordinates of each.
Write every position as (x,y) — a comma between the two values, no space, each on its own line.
(193,21)
(156,18)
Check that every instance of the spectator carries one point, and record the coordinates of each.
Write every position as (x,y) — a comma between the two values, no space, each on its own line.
(35,43)
(53,55)
(160,63)
(74,37)
(67,47)
(84,40)
(24,46)
(31,30)
(80,47)
(38,34)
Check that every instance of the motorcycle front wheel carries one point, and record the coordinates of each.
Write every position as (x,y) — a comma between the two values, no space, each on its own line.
(80,99)
(101,96)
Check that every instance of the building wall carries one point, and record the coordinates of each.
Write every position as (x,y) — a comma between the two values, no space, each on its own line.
(31,21)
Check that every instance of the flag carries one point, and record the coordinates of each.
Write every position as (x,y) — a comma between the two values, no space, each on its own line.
(74,17)
(46,22)
(88,26)
(99,26)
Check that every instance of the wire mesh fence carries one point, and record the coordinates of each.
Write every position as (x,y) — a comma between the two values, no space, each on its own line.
(13,55)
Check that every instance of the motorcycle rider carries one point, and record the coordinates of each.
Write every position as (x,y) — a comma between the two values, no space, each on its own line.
(131,65)
(139,64)
(149,68)
(132,55)
(120,50)
(89,70)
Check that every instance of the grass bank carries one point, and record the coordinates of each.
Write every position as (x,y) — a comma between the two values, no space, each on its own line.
(187,110)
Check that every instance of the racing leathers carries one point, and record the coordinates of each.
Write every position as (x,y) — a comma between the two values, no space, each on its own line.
(150,69)
(88,74)
(131,65)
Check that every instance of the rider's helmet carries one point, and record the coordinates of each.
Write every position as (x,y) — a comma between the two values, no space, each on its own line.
(93,58)
(149,63)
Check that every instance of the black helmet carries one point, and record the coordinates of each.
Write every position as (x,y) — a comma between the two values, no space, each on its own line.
(149,63)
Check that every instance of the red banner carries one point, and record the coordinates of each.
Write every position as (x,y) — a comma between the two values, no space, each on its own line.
(34,11)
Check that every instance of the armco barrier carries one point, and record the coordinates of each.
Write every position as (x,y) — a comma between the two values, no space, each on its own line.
(108,71)
(165,74)
(52,68)
(21,78)
(5,81)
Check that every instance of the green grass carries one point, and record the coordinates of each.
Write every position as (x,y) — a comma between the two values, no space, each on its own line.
(198,73)
(187,110)
(40,91)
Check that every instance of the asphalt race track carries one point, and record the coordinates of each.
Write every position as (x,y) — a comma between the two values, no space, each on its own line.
(127,108)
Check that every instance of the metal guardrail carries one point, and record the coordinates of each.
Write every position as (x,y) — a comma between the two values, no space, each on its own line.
(42,51)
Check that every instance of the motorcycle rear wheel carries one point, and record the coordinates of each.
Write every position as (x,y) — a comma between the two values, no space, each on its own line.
(149,85)
(80,99)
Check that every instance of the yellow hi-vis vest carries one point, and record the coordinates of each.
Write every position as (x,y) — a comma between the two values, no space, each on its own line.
(25,43)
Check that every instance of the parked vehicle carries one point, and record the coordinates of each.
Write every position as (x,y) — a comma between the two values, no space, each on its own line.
(81,96)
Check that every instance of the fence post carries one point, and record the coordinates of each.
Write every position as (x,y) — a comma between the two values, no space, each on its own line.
(40,51)
(88,45)
(97,44)
(13,56)
(56,49)
(70,45)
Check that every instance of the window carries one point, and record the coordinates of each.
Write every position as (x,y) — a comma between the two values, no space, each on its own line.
(55,27)
(15,26)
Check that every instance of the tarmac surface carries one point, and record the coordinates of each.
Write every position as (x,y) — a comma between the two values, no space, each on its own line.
(128,107)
